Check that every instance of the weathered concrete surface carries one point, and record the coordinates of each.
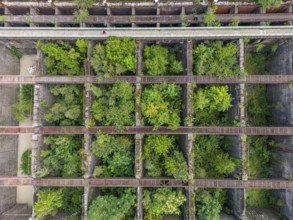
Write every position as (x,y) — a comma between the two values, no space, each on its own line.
(281,98)
(8,144)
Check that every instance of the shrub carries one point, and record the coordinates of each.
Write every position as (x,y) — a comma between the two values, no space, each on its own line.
(161,105)
(26,160)
(269,3)
(23,107)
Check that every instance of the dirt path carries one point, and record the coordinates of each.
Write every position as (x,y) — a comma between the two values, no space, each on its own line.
(25,193)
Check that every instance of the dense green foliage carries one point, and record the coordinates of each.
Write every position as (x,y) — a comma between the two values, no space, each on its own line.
(161,105)
(116,155)
(82,13)
(52,200)
(163,158)
(115,57)
(26,161)
(23,107)
(114,105)
(259,198)
(209,18)
(64,58)
(260,156)
(209,203)
(63,157)
(214,58)
(159,60)
(255,63)
(210,160)
(67,109)
(210,104)
(114,206)
(160,202)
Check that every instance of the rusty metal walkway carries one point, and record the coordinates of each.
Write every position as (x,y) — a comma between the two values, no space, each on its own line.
(221,130)
(146,182)
(252,79)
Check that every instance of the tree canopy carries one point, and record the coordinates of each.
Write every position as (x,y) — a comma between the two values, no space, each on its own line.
(113,207)
(114,105)
(159,60)
(64,58)
(116,154)
(67,107)
(210,103)
(214,58)
(162,201)
(161,105)
(115,57)
(163,158)
(23,107)
(63,157)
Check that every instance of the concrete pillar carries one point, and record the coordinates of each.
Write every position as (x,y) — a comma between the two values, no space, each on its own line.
(6,12)
(138,137)
(290,10)
(108,14)
(33,11)
(133,14)
(158,13)
(262,11)
(57,12)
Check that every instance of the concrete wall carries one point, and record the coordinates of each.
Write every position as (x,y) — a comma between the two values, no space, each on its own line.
(281,98)
(8,143)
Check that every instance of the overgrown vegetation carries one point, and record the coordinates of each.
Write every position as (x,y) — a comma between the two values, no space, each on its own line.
(116,155)
(22,109)
(82,13)
(54,200)
(114,105)
(209,17)
(210,105)
(113,204)
(63,156)
(67,107)
(116,56)
(161,105)
(63,58)
(159,60)
(214,58)
(269,3)
(162,157)
(26,161)
(211,161)
(259,198)
(161,202)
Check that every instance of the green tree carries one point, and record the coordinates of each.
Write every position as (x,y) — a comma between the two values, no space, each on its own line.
(210,103)
(114,105)
(209,17)
(67,109)
(26,160)
(210,159)
(63,157)
(49,201)
(116,154)
(161,105)
(159,60)
(269,3)
(215,58)
(255,63)
(115,57)
(163,158)
(209,203)
(111,207)
(22,109)
(64,58)
(163,201)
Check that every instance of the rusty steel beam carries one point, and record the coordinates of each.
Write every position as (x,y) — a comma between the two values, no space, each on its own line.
(220,130)
(145,182)
(181,79)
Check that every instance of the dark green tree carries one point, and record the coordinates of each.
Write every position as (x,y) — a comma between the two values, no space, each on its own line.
(214,58)
(114,105)
(26,161)
(23,108)
(161,105)
(116,154)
